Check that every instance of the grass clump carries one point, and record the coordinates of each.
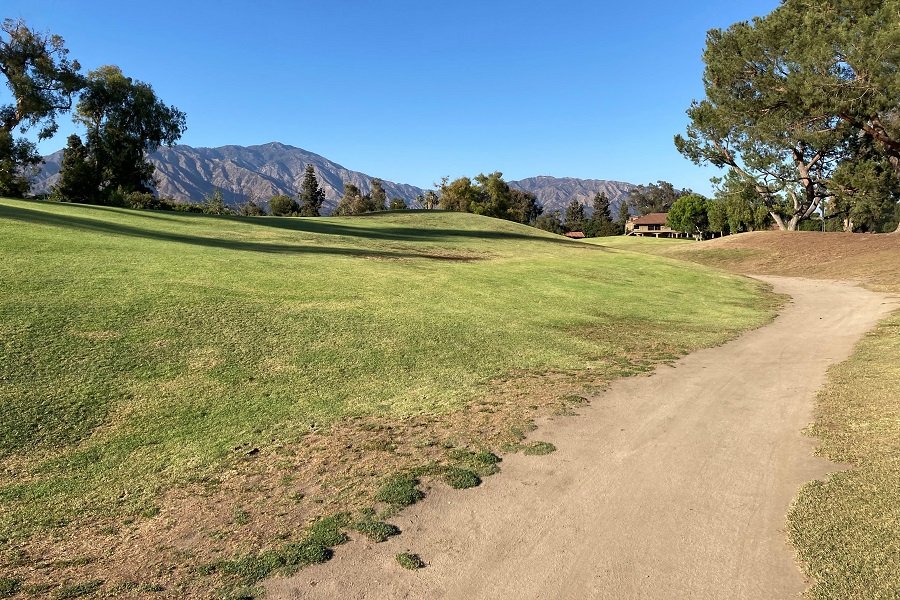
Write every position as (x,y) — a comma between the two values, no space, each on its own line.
(538,448)
(461,478)
(377,531)
(315,548)
(9,586)
(241,517)
(77,590)
(400,490)
(410,561)
(483,462)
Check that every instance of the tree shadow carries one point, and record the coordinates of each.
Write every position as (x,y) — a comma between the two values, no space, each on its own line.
(40,217)
(325,226)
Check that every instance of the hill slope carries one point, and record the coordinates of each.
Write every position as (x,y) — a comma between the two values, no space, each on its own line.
(176,389)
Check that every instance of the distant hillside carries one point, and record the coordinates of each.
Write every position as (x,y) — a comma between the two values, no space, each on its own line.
(242,172)
(259,172)
(555,193)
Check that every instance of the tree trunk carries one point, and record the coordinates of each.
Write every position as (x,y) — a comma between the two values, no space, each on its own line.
(792,224)
(848,225)
(778,221)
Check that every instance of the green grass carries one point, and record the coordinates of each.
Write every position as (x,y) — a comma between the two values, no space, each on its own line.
(377,531)
(313,549)
(410,561)
(139,349)
(639,244)
(846,528)
(461,479)
(9,586)
(78,590)
(538,449)
(399,490)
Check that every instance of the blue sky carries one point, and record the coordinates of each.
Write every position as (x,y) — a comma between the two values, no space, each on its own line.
(410,90)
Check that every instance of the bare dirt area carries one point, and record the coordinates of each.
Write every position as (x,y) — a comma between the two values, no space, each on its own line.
(669,486)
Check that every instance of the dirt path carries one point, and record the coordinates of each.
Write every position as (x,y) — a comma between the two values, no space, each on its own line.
(670,486)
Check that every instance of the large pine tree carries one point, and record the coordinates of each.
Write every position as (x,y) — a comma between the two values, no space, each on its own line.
(311,195)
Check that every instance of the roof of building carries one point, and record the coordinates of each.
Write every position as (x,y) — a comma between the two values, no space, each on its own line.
(575,234)
(652,219)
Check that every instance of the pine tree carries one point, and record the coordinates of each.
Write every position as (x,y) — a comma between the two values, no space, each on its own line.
(311,195)
(574,216)
(602,209)
(624,215)
(377,197)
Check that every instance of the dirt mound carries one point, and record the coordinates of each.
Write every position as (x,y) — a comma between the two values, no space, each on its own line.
(870,258)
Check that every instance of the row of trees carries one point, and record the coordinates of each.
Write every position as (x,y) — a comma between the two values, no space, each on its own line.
(123,118)
(487,195)
(702,217)
(600,223)
(802,109)
(354,202)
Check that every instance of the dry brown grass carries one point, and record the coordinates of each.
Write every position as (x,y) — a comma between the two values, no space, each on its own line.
(276,493)
(868,258)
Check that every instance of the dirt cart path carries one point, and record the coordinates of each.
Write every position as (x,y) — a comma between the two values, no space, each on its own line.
(675,485)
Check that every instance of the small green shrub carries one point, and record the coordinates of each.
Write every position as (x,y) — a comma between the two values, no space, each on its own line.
(410,561)
(461,478)
(400,490)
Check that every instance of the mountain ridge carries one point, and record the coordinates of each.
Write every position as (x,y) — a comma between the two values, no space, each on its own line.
(258,172)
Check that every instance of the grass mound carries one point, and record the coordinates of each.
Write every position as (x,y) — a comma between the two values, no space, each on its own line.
(148,352)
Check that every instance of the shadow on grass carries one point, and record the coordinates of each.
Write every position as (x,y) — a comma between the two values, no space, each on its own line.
(391,233)
(327,226)
(72,222)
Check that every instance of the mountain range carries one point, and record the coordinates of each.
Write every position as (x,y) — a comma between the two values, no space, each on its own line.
(259,172)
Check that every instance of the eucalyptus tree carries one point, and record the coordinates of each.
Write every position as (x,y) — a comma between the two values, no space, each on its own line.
(42,82)
(125,122)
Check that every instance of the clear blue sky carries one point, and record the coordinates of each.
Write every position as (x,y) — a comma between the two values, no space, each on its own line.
(413,90)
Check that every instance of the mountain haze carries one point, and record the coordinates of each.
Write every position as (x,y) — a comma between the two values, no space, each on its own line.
(259,172)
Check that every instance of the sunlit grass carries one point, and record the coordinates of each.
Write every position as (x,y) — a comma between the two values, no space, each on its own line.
(139,349)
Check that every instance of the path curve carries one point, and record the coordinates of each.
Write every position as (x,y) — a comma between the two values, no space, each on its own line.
(675,485)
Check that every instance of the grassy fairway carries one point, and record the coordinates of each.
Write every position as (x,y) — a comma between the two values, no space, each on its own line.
(846,528)
(143,352)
